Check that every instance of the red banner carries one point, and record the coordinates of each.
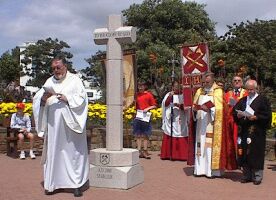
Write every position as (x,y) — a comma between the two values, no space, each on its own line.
(195,61)
(195,58)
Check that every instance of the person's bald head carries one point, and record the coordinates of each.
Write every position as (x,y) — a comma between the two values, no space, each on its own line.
(251,86)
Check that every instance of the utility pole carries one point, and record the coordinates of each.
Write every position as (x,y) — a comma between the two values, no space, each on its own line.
(173,61)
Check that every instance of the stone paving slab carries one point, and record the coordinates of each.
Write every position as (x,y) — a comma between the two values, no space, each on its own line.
(166,180)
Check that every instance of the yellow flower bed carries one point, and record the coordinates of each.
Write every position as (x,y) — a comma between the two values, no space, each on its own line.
(6,109)
(96,112)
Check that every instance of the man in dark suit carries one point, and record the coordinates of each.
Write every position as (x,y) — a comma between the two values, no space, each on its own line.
(253,115)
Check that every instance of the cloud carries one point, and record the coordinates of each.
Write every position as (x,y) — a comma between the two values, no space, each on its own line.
(235,11)
(70,21)
(74,21)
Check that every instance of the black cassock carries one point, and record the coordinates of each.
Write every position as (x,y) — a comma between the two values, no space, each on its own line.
(252,153)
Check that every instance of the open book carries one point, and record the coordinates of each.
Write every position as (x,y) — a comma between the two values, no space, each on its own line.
(143,116)
(49,89)
(209,104)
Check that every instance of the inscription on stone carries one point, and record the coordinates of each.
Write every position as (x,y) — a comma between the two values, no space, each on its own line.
(104,173)
(112,34)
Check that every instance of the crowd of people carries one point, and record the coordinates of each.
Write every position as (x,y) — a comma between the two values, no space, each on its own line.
(227,129)
(222,130)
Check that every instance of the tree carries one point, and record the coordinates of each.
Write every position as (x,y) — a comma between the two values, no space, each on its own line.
(250,48)
(40,56)
(9,66)
(96,68)
(164,25)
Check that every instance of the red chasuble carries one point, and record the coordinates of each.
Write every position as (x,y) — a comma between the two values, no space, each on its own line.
(231,125)
(231,129)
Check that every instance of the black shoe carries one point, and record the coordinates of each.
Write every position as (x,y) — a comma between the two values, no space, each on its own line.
(245,181)
(147,157)
(46,192)
(141,156)
(77,192)
(257,182)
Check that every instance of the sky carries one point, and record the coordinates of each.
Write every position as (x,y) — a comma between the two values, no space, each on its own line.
(74,21)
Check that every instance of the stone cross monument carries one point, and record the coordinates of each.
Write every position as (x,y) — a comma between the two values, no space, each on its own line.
(113,37)
(115,166)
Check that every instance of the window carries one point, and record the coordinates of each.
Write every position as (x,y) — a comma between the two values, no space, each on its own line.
(90,94)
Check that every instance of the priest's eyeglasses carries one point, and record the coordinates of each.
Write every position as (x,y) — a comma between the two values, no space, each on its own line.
(237,80)
(58,67)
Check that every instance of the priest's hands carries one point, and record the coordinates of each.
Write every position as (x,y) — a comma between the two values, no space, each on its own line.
(62,97)
(44,98)
(252,118)
(47,95)
(204,108)
(239,115)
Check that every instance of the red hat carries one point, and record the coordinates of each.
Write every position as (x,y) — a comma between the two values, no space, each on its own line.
(20,106)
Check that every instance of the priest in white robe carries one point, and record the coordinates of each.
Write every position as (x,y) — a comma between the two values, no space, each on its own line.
(60,111)
(208,102)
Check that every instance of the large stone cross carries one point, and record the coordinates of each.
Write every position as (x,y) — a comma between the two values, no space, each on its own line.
(113,36)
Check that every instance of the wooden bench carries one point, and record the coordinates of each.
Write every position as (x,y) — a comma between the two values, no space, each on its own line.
(11,141)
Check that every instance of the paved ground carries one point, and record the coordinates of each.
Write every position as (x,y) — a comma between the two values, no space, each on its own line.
(166,180)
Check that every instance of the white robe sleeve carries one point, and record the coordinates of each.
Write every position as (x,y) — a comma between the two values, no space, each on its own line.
(38,110)
(75,114)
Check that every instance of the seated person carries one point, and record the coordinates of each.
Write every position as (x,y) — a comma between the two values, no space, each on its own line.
(22,122)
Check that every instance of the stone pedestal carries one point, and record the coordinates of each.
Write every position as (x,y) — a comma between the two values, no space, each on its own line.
(115,169)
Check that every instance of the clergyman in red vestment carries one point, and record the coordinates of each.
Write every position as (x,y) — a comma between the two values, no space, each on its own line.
(231,98)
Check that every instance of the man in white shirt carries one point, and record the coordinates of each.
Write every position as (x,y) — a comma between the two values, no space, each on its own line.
(21,123)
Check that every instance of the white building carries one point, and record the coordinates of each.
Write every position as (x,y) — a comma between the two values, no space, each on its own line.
(24,78)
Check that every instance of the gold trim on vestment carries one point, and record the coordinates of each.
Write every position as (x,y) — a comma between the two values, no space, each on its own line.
(217,94)
(217,139)
(196,96)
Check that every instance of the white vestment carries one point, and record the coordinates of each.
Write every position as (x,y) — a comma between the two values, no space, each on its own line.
(65,151)
(180,117)
(203,146)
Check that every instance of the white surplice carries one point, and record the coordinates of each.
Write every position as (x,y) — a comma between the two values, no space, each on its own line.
(65,155)
(203,147)
(180,117)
